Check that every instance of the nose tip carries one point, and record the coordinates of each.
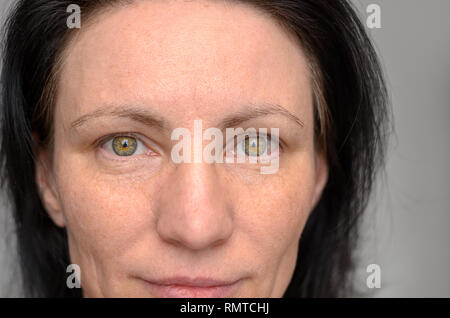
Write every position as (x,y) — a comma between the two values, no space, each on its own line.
(194,212)
(195,234)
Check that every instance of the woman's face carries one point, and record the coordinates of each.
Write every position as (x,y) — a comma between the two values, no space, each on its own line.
(138,220)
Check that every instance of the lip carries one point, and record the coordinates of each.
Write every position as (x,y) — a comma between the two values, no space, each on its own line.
(185,287)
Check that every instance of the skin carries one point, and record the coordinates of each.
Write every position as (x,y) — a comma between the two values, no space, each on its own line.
(145,217)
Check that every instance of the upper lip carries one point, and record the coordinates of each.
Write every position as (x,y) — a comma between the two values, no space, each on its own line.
(192,282)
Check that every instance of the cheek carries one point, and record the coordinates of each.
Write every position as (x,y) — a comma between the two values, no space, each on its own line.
(274,212)
(105,215)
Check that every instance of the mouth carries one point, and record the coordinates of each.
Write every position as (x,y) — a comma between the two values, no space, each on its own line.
(184,287)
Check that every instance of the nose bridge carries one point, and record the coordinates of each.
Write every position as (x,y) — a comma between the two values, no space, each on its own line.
(193,210)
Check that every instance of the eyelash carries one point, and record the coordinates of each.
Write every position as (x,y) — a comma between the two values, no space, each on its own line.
(103,140)
(269,139)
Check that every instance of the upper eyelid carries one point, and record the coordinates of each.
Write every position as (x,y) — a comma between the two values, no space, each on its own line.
(268,135)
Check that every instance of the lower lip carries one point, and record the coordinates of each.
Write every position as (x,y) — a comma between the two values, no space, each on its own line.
(182,291)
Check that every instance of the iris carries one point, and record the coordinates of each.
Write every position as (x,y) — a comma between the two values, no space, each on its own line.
(254,146)
(124,145)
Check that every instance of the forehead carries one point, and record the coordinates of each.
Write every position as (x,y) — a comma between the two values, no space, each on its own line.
(188,59)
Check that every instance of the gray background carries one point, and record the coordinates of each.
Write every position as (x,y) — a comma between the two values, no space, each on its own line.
(406,228)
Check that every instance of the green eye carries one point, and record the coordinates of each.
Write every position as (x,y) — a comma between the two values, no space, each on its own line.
(254,146)
(124,145)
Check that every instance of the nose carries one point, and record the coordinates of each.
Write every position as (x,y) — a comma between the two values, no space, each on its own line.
(193,210)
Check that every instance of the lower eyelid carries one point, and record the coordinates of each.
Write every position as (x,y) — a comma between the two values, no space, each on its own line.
(115,158)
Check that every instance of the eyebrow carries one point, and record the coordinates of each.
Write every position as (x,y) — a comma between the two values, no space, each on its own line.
(258,110)
(137,114)
(148,118)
